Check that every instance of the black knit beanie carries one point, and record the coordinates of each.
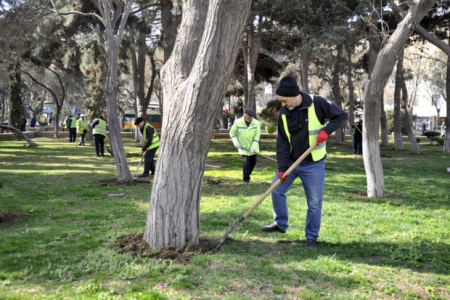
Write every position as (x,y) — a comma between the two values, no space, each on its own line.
(288,87)
(138,120)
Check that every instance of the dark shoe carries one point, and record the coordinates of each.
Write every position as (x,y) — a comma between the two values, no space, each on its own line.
(310,243)
(143,175)
(273,228)
(103,154)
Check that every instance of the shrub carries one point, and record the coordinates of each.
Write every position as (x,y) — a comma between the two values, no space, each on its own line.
(440,140)
(126,129)
(432,134)
(270,128)
(418,140)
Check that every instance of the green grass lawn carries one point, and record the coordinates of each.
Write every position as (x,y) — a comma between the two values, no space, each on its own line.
(58,228)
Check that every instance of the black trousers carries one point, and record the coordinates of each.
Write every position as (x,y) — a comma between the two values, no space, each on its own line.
(99,142)
(82,136)
(72,134)
(249,165)
(149,163)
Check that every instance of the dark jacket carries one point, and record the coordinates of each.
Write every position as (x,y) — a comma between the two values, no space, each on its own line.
(357,130)
(298,128)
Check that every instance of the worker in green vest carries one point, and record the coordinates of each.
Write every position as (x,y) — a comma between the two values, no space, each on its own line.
(301,124)
(151,145)
(245,134)
(99,132)
(82,129)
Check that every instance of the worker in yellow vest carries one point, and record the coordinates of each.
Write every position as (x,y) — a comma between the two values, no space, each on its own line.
(301,124)
(82,129)
(245,134)
(151,145)
(99,131)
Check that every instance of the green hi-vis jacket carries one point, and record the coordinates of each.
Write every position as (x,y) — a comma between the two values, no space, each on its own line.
(154,139)
(100,128)
(80,126)
(246,136)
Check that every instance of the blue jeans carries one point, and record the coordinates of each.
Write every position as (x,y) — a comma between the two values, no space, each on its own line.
(312,176)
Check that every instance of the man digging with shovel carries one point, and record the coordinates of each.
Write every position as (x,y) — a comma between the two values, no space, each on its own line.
(151,145)
(300,125)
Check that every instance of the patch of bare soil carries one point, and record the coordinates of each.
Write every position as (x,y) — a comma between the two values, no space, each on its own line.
(386,196)
(136,246)
(114,182)
(8,216)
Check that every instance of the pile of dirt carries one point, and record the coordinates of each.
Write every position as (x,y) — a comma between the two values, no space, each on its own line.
(8,216)
(213,181)
(114,182)
(136,246)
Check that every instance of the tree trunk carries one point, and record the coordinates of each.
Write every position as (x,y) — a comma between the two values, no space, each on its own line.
(169,28)
(251,44)
(398,141)
(16,111)
(447,98)
(19,134)
(379,76)
(407,117)
(336,88)
(194,82)
(304,67)
(123,171)
(351,88)
(383,123)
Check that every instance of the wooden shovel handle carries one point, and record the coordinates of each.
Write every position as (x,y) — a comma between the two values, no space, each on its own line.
(294,165)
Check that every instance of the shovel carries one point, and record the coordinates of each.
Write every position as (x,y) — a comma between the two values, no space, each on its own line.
(241,219)
(269,158)
(142,159)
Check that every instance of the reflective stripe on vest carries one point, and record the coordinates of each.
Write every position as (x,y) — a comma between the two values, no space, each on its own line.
(155,139)
(100,128)
(314,127)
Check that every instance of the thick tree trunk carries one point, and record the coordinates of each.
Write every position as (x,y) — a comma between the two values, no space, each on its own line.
(379,76)
(383,124)
(123,171)
(194,83)
(169,27)
(398,141)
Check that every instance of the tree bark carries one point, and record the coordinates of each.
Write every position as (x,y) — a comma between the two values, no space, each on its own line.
(383,123)
(398,141)
(447,99)
(336,88)
(379,76)
(19,134)
(251,44)
(351,88)
(16,111)
(194,82)
(407,117)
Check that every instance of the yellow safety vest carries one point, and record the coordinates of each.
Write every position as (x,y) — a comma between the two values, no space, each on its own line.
(100,128)
(155,139)
(314,127)
(80,127)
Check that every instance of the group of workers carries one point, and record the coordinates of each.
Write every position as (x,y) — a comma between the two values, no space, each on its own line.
(81,127)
